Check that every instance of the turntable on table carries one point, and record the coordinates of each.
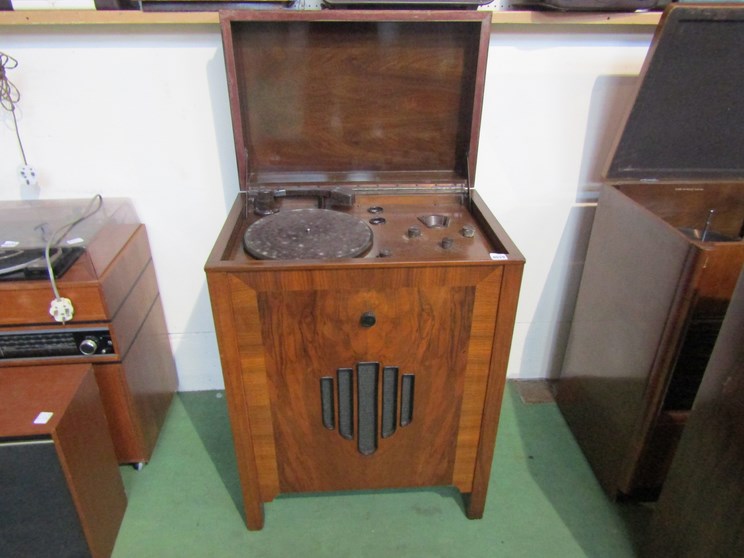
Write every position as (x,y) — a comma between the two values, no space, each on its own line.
(66,226)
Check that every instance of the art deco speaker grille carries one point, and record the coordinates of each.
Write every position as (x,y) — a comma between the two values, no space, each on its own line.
(378,412)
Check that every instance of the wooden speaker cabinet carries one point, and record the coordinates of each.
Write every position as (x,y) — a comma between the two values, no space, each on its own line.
(62,494)
(664,256)
(363,296)
(118,324)
(699,512)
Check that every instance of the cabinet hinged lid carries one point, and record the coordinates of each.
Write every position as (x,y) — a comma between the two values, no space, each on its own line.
(687,121)
(355,97)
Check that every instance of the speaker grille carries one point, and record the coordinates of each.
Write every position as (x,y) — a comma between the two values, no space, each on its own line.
(371,424)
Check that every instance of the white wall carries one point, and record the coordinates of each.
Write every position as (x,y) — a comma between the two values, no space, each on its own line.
(142,112)
(554,101)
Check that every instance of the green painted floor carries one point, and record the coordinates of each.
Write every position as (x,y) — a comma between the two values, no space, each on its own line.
(543,501)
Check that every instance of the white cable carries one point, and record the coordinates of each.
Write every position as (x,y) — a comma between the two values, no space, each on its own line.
(61,308)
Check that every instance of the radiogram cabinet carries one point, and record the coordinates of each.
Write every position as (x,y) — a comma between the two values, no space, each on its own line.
(383,368)
(664,256)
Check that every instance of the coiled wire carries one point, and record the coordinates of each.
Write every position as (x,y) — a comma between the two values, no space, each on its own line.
(9,95)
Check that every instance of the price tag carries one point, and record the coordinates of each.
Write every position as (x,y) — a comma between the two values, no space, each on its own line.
(43,417)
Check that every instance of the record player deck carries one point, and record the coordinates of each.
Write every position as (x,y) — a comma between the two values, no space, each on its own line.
(363,295)
(30,263)
(396,227)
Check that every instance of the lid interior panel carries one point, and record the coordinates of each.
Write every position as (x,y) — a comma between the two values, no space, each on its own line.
(329,101)
(688,118)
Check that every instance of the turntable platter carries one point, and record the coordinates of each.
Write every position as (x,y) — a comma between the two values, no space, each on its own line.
(14,260)
(30,263)
(307,234)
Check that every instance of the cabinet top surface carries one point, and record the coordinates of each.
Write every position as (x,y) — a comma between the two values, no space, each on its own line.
(29,394)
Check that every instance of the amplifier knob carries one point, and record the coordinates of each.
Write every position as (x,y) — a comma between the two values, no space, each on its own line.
(468,231)
(88,346)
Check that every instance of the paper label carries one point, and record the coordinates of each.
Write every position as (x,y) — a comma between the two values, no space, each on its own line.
(53,4)
(74,241)
(43,417)
(9,244)
(496,257)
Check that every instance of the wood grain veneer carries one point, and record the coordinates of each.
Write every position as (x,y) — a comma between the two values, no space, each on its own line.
(699,512)
(112,285)
(78,429)
(281,326)
(634,336)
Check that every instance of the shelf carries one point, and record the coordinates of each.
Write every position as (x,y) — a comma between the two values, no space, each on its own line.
(105,17)
(134,17)
(575,18)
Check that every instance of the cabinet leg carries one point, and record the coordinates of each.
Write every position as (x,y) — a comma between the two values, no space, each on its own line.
(474,505)
(254,515)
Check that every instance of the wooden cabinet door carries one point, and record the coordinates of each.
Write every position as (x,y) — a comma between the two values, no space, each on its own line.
(316,337)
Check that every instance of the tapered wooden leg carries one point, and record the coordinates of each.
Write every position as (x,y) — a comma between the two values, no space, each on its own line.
(475,504)
(254,515)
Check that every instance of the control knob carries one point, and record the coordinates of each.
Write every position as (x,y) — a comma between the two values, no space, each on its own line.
(89,345)
(368,319)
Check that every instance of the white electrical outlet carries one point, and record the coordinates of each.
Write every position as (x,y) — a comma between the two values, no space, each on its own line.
(27,176)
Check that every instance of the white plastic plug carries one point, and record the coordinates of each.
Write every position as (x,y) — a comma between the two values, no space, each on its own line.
(27,175)
(61,309)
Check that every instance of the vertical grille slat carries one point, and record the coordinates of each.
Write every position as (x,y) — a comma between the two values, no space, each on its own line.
(367,380)
(406,399)
(326,402)
(345,403)
(389,400)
